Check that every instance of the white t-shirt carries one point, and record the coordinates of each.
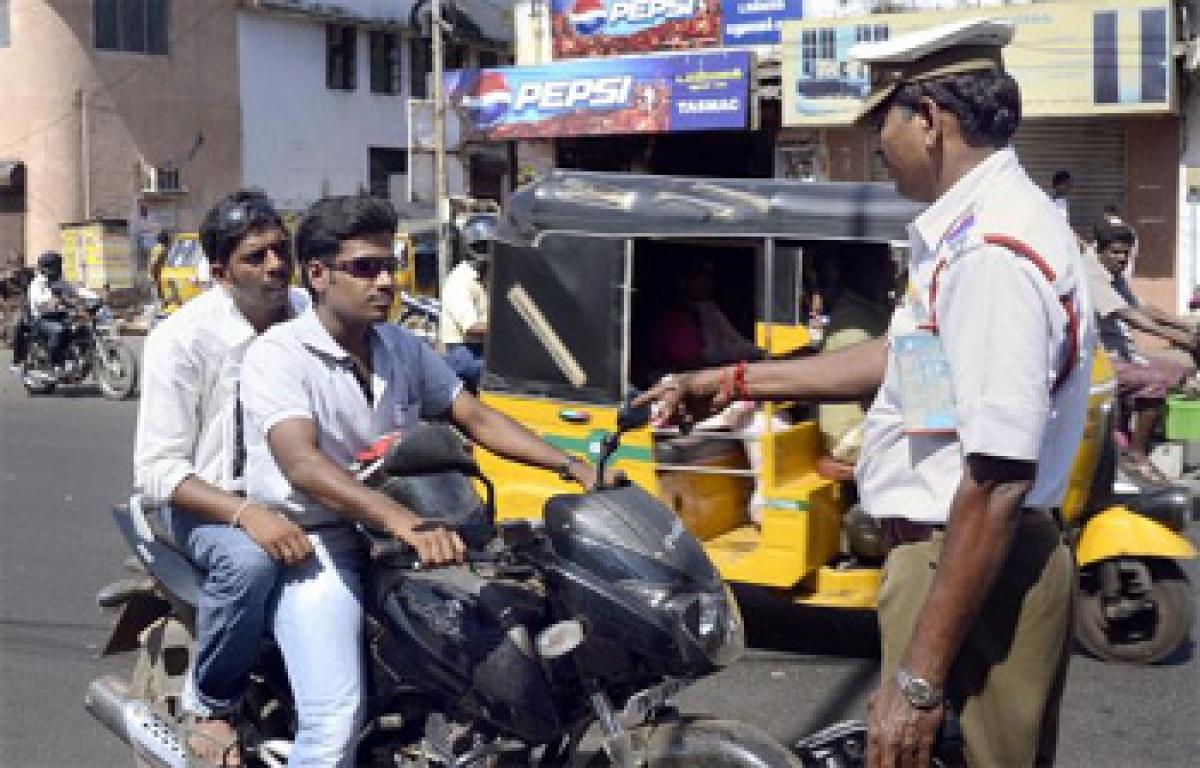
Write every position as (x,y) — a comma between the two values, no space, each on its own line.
(464,303)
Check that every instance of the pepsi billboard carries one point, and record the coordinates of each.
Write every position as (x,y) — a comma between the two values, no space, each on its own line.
(602,97)
(585,28)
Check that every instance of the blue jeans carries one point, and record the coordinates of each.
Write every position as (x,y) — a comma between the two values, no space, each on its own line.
(466,360)
(318,623)
(54,331)
(239,579)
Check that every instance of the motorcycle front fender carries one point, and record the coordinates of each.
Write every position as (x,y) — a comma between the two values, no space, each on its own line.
(1119,532)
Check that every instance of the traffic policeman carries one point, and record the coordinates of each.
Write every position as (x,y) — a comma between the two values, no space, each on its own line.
(982,385)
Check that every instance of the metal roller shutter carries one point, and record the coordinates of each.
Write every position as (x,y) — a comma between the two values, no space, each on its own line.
(1091,149)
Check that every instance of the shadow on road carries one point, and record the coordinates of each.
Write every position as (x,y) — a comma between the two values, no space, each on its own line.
(775,623)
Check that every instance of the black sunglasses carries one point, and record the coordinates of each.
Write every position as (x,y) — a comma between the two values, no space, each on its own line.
(367,267)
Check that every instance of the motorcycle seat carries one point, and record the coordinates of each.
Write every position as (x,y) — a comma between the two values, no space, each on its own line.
(145,530)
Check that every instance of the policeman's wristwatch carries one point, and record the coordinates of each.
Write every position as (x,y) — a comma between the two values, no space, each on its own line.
(921,693)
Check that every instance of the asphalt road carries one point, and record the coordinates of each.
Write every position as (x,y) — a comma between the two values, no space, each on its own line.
(64,461)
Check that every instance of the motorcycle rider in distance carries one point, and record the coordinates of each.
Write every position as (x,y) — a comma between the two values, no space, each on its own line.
(188,458)
(317,390)
(1143,380)
(465,302)
(50,298)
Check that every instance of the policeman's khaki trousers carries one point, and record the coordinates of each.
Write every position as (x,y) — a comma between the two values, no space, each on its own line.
(1007,682)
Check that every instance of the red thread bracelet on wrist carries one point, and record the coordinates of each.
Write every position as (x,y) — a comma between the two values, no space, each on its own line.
(739,381)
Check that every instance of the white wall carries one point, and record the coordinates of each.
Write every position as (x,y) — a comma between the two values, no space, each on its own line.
(300,139)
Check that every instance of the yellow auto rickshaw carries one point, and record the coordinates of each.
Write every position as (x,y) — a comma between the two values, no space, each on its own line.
(584,264)
(184,274)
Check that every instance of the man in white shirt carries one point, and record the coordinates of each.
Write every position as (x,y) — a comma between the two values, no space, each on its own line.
(50,296)
(465,302)
(318,390)
(982,386)
(189,456)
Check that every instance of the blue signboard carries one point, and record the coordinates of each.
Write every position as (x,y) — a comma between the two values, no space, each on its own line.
(756,22)
(596,97)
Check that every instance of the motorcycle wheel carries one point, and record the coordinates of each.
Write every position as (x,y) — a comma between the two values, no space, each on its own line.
(116,369)
(698,742)
(1148,636)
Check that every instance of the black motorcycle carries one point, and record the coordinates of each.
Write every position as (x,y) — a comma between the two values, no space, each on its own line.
(93,348)
(558,643)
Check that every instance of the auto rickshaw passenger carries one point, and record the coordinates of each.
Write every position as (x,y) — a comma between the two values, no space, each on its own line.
(862,302)
(694,332)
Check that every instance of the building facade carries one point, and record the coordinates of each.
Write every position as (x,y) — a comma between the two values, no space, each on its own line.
(147,111)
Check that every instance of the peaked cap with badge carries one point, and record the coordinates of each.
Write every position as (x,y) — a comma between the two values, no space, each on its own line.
(971,45)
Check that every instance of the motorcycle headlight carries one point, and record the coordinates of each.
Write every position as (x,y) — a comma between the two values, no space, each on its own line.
(655,595)
(714,623)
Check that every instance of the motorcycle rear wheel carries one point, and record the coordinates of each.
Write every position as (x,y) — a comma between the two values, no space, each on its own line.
(116,369)
(1148,637)
(700,742)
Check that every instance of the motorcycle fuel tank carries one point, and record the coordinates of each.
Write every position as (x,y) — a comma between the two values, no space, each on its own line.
(464,641)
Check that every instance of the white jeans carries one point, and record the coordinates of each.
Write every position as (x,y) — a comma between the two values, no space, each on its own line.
(318,625)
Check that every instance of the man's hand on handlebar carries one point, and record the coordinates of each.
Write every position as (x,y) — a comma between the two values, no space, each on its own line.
(434,543)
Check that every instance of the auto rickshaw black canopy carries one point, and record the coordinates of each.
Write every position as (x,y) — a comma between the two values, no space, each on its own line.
(562,278)
(624,205)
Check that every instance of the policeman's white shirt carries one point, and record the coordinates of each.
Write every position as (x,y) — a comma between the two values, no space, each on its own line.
(296,370)
(464,302)
(1004,332)
(45,296)
(187,414)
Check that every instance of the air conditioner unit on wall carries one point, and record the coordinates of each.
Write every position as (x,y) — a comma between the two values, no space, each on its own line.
(161,181)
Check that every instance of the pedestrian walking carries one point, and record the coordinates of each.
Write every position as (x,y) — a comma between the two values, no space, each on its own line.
(982,387)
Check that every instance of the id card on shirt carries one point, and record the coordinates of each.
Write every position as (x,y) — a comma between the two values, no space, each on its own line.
(926,389)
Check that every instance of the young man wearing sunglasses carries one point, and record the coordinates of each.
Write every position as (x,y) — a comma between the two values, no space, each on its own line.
(317,390)
(188,457)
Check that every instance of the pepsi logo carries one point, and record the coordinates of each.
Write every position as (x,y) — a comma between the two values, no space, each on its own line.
(588,16)
(489,100)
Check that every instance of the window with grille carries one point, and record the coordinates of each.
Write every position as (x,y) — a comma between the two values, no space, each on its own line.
(385,62)
(340,51)
(131,26)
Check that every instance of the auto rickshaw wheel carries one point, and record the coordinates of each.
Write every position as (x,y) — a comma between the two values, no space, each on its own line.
(1134,611)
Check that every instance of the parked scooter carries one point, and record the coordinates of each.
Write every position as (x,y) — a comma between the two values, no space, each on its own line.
(94,348)
(598,617)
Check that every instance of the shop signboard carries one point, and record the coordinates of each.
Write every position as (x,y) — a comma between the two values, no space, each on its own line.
(1092,57)
(597,97)
(756,22)
(584,28)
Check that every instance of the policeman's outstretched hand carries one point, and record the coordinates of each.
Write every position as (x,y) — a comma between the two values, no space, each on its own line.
(682,399)
(899,734)
(435,544)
